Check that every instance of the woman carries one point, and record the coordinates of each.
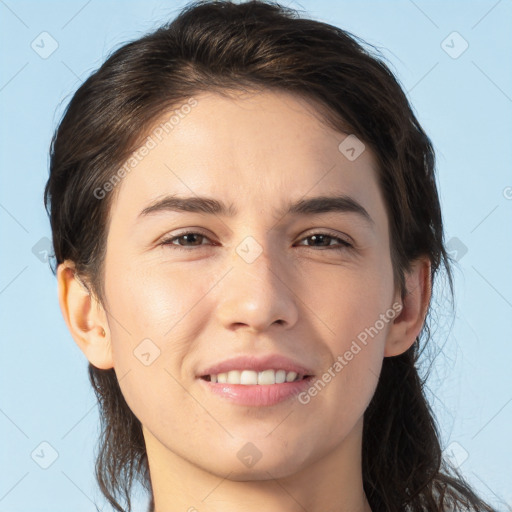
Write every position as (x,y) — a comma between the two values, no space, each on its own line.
(247,230)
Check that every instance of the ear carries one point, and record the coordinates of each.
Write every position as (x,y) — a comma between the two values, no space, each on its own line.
(408,324)
(85,317)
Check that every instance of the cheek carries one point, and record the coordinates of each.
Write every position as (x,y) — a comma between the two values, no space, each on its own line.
(156,314)
(357,310)
(151,314)
(152,300)
(348,300)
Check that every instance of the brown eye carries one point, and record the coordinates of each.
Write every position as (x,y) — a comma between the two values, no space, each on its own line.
(190,239)
(325,239)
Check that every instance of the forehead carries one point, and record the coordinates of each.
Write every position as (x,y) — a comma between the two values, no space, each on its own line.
(255,151)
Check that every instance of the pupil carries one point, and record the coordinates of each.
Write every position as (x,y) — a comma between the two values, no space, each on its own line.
(319,237)
(190,235)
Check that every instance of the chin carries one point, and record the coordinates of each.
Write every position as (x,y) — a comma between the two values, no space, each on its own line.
(257,461)
(261,471)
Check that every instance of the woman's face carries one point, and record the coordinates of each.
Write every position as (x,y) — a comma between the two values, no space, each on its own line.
(256,283)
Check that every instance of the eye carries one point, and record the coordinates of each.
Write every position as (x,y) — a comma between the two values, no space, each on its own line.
(189,236)
(319,240)
(322,238)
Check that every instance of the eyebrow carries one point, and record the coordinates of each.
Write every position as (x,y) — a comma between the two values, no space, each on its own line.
(308,206)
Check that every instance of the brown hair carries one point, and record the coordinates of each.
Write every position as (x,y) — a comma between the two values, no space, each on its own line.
(221,46)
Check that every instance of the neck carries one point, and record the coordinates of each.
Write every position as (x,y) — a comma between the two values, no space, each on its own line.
(333,482)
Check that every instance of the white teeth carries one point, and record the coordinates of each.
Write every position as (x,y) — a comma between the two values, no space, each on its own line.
(250,377)
(280,376)
(267,377)
(247,377)
(233,377)
(291,376)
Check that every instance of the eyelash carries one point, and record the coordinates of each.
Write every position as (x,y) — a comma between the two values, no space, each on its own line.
(344,244)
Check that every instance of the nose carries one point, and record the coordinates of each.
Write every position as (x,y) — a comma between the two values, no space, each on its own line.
(254,295)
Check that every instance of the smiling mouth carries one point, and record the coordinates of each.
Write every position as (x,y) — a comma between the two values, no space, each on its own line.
(252,378)
(251,388)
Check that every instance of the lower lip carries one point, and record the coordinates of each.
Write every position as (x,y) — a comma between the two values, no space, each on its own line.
(257,395)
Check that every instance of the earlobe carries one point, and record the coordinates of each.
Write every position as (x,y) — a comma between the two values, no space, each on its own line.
(85,317)
(408,324)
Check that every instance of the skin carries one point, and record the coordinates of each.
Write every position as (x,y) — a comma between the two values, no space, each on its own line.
(258,152)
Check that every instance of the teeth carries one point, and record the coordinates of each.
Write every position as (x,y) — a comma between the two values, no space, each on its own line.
(250,378)
(246,377)
(291,376)
(280,376)
(267,377)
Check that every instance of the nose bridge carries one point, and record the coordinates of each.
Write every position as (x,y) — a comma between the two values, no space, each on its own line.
(255,262)
(254,292)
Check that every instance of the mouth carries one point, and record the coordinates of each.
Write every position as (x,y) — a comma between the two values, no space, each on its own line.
(253,378)
(244,390)
(256,380)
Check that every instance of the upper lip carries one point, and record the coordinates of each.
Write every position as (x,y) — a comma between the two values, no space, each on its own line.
(257,364)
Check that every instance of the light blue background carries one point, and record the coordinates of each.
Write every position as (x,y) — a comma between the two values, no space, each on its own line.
(464,104)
